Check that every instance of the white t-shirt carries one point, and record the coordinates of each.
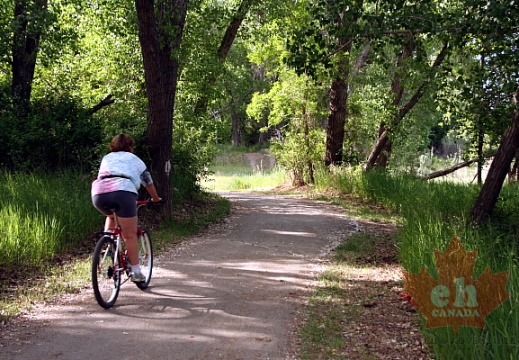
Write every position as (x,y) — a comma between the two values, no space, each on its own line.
(121,171)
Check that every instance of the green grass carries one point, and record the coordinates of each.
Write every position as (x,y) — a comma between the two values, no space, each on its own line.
(42,215)
(230,171)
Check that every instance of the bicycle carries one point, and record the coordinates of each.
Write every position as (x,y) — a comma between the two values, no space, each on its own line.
(111,263)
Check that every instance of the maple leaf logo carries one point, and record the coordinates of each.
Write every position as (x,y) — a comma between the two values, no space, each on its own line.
(455,299)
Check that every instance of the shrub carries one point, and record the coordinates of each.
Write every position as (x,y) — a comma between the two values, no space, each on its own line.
(57,133)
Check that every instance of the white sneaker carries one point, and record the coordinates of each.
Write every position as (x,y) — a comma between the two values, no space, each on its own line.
(137,277)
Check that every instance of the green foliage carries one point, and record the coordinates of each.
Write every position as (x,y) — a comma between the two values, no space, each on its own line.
(191,158)
(299,153)
(58,133)
(293,103)
(477,97)
(102,60)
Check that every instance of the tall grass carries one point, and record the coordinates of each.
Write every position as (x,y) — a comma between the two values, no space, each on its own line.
(42,215)
(432,212)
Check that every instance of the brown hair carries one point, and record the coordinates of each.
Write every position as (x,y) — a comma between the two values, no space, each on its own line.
(121,142)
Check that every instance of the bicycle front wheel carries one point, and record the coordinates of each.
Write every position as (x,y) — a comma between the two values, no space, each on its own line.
(106,279)
(145,258)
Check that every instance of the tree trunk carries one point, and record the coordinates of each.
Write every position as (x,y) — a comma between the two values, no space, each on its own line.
(398,92)
(235,120)
(161,27)
(26,40)
(449,170)
(338,109)
(336,120)
(487,198)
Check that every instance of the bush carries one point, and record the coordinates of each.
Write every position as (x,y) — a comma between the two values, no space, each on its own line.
(57,133)
(299,153)
(191,159)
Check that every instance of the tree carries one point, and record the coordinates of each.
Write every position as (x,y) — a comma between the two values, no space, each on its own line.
(377,155)
(294,103)
(30,30)
(499,168)
(490,29)
(161,26)
(329,40)
(338,30)
(223,51)
(29,20)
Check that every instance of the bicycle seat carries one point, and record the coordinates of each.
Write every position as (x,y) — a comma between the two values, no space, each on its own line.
(112,207)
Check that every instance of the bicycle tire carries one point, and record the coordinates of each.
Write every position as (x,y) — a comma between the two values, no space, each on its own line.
(106,281)
(145,258)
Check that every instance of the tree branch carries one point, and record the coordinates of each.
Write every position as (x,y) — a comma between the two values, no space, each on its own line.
(420,91)
(448,170)
(361,59)
(105,102)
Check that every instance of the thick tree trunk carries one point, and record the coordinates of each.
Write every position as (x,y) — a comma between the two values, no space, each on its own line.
(160,33)
(26,39)
(398,92)
(338,105)
(338,110)
(487,198)
(336,121)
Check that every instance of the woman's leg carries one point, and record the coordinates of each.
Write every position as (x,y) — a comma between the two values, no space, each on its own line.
(109,223)
(129,229)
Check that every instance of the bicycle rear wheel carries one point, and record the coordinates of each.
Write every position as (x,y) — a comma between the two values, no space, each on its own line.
(145,258)
(106,280)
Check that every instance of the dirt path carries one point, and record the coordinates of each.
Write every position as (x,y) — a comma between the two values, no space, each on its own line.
(232,293)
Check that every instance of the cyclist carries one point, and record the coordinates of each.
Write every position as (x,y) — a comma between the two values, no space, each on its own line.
(120,176)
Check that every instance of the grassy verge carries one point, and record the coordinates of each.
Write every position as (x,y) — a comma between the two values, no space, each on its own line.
(344,291)
(42,215)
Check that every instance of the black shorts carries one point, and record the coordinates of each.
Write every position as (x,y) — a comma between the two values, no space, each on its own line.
(126,200)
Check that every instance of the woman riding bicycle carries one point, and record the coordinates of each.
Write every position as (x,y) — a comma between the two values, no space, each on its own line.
(120,176)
